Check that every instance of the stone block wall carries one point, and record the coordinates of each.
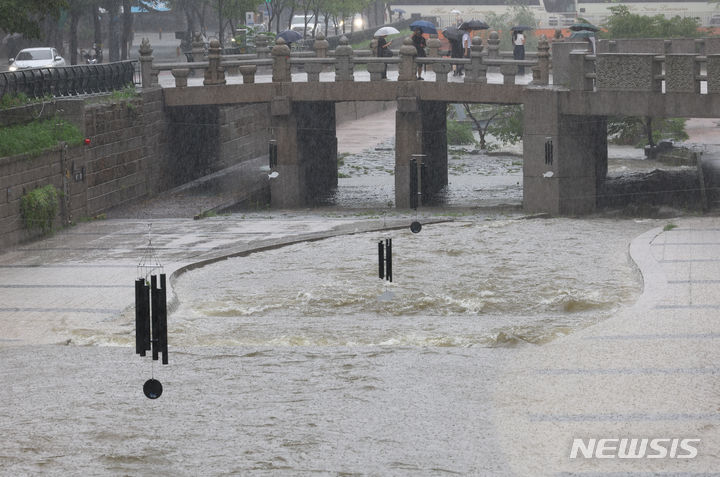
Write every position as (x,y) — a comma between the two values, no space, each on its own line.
(122,163)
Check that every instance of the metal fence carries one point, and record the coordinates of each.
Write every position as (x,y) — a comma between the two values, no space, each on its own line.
(70,80)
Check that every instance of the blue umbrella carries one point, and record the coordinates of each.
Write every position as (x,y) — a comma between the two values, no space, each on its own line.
(398,10)
(424,26)
(290,36)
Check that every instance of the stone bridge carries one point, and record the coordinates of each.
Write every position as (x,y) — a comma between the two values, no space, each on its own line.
(565,125)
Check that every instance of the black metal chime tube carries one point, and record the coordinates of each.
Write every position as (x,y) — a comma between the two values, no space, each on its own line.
(162,319)
(413,184)
(381,259)
(388,259)
(154,300)
(142,317)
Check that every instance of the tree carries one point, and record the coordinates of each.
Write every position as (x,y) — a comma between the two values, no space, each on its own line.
(25,16)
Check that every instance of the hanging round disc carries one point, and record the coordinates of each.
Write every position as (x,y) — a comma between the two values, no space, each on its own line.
(415,227)
(152,388)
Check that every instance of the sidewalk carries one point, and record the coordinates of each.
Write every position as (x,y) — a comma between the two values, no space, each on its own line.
(651,371)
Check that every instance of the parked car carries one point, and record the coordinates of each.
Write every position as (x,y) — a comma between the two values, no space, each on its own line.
(36,58)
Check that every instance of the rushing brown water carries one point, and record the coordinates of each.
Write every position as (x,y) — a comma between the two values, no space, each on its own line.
(300,361)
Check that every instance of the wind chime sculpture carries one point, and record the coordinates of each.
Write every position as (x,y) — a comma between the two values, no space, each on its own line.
(151,315)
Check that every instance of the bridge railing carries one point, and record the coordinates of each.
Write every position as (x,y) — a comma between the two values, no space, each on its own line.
(645,72)
(69,80)
(343,61)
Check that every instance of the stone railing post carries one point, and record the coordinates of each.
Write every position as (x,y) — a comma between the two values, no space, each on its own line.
(321,45)
(681,71)
(261,46)
(215,74)
(493,45)
(281,62)
(373,46)
(344,66)
(198,48)
(407,69)
(477,71)
(541,72)
(146,61)
(713,74)
(248,73)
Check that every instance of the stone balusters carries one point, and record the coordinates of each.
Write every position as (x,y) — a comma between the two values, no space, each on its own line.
(146,61)
(248,73)
(441,71)
(541,71)
(476,72)
(281,62)
(508,72)
(493,49)
(407,69)
(215,74)
(376,70)
(181,76)
(313,71)
(261,46)
(344,67)
(713,74)
(321,45)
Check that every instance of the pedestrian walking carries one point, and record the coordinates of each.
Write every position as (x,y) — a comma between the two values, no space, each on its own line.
(420,44)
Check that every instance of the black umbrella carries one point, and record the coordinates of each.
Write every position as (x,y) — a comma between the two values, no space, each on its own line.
(453,33)
(474,25)
(521,28)
(290,36)
(583,26)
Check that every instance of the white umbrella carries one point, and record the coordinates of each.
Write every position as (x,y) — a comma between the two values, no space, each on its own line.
(456,12)
(386,30)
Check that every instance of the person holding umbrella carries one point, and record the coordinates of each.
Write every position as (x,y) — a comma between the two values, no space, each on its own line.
(454,37)
(518,41)
(419,42)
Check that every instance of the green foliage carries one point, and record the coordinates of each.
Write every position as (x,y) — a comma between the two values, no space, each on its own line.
(669,226)
(459,133)
(35,137)
(39,207)
(508,126)
(20,99)
(126,93)
(25,16)
(632,130)
(517,15)
(623,24)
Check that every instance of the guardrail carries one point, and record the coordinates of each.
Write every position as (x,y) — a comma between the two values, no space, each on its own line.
(70,80)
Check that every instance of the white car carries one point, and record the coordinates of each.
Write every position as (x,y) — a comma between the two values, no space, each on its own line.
(36,58)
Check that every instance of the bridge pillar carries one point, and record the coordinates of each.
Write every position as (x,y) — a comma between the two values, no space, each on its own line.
(306,152)
(420,128)
(564,157)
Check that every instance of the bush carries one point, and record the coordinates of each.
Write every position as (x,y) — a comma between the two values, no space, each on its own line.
(39,207)
(459,133)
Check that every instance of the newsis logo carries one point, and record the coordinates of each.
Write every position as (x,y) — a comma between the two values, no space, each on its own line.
(659,448)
